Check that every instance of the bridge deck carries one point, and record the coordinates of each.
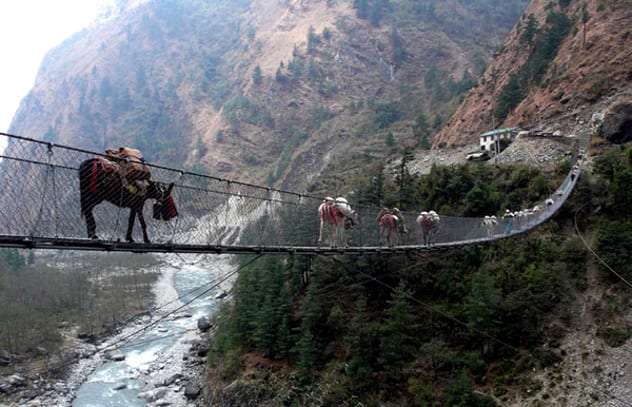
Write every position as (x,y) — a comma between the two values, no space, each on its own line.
(46,203)
(46,243)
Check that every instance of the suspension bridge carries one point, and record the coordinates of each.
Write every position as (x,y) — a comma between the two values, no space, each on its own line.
(40,209)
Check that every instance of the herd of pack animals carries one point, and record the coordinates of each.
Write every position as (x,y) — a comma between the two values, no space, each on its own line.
(122,178)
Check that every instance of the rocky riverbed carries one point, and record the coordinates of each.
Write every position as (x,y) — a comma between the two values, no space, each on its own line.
(158,367)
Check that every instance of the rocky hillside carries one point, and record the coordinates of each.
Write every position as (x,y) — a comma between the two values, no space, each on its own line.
(564,58)
(265,90)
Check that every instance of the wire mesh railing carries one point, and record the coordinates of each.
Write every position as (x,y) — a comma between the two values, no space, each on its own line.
(41,199)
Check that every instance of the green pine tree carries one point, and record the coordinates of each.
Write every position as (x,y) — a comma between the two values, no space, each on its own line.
(313,73)
(424,143)
(399,54)
(284,338)
(390,139)
(399,337)
(257,76)
(307,347)
(296,68)
(280,76)
(530,30)
(362,8)
(510,97)
(248,300)
(266,320)
(481,306)
(327,34)
(405,183)
(361,352)
(421,130)
(312,40)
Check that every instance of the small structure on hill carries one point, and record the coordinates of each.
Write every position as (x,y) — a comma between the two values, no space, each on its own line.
(497,140)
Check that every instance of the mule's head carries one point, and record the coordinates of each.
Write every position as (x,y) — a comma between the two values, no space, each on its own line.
(351,219)
(165,206)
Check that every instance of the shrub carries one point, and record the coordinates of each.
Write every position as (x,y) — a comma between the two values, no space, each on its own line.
(327,33)
(614,244)
(319,115)
(386,113)
(241,109)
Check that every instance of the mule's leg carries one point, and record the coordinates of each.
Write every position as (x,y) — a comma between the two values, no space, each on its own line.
(334,236)
(130,225)
(342,242)
(91,224)
(141,218)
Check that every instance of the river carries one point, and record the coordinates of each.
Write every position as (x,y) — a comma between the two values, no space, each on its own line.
(157,355)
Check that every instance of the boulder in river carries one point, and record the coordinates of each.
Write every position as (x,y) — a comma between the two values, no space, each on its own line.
(192,391)
(202,350)
(203,324)
(199,348)
(153,395)
(120,386)
(60,388)
(171,379)
(116,356)
(16,380)
(5,358)
(4,387)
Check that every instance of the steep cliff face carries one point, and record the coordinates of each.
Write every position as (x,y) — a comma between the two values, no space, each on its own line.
(563,57)
(128,80)
(264,90)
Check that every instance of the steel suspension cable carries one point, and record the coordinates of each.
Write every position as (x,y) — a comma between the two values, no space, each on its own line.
(602,261)
(256,219)
(432,309)
(597,256)
(186,304)
(119,343)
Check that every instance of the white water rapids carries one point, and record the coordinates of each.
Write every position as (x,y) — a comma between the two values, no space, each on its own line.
(157,354)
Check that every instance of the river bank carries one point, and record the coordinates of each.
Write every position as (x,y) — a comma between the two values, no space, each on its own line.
(159,366)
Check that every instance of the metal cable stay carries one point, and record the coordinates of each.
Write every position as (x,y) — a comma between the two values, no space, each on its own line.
(41,208)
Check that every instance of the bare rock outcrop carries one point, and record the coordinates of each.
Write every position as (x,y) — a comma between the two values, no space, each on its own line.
(616,125)
(590,68)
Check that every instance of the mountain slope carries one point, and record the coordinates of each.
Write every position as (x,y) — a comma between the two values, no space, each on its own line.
(566,58)
(176,79)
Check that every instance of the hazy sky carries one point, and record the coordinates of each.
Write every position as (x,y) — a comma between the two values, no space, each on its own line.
(30,28)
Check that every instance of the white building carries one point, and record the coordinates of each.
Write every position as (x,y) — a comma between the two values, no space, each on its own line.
(497,139)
